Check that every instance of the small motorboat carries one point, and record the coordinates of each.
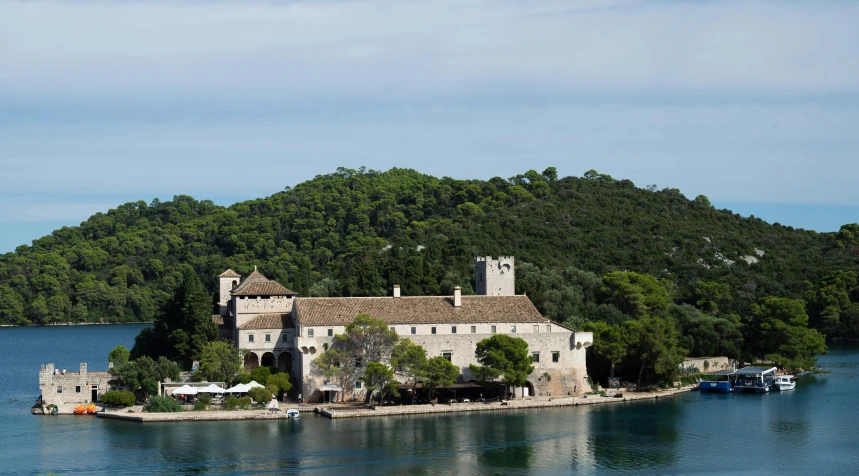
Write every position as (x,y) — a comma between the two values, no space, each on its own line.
(784,382)
(292,413)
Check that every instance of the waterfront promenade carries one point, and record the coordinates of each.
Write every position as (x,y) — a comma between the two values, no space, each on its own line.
(357,410)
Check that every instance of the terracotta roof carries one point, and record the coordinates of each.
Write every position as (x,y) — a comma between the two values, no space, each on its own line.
(417,310)
(230,274)
(269,321)
(218,319)
(258,285)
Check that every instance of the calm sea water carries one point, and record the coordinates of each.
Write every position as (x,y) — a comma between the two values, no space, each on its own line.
(811,430)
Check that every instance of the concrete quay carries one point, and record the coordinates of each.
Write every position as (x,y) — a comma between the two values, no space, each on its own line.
(358,411)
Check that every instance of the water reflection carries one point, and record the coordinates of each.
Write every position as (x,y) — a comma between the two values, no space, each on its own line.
(623,436)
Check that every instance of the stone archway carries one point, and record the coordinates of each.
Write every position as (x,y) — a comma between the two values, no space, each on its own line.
(251,361)
(267,360)
(529,390)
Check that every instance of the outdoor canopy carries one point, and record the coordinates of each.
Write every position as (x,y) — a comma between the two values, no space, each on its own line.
(329,388)
(212,388)
(240,388)
(185,390)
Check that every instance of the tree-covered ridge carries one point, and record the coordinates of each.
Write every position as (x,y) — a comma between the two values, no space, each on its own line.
(356,233)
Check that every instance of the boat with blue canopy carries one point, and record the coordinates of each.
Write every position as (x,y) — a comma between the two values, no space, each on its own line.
(719,381)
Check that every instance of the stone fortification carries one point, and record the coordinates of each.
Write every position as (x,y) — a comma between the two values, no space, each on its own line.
(711,364)
(60,388)
(495,277)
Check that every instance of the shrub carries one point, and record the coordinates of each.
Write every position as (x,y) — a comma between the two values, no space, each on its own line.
(200,406)
(259,394)
(244,402)
(119,398)
(163,405)
(205,398)
(280,382)
(231,403)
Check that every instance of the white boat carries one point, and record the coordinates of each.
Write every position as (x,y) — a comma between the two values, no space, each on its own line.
(292,413)
(784,382)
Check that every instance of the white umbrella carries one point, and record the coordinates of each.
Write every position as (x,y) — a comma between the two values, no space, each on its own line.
(240,388)
(185,390)
(254,384)
(212,388)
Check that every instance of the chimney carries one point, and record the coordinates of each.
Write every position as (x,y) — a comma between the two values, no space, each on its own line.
(396,290)
(457,297)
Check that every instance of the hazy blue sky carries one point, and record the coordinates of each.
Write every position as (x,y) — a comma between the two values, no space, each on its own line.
(754,104)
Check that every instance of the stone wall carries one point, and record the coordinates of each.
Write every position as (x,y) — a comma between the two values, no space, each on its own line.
(72,387)
(711,364)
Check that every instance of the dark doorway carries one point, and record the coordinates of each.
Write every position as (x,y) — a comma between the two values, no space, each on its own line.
(94,394)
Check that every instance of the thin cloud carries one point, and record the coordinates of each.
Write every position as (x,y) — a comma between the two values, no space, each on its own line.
(151,50)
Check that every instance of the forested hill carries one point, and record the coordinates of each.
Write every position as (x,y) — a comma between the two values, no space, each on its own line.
(356,233)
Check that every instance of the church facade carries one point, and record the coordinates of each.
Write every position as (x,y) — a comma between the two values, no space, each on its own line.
(282,330)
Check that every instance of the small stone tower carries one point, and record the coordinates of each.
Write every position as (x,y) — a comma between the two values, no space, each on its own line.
(227,281)
(495,277)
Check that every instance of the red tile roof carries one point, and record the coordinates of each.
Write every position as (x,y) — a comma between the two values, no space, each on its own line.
(258,285)
(230,274)
(269,321)
(417,310)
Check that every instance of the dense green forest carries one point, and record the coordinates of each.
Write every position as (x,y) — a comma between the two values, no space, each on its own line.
(587,249)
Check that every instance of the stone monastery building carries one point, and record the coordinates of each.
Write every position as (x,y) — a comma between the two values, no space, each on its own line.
(288,332)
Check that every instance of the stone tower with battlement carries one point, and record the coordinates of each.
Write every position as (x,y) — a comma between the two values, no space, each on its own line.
(495,277)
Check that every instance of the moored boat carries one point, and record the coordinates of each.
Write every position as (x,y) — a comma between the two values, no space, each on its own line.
(292,413)
(719,381)
(754,379)
(784,382)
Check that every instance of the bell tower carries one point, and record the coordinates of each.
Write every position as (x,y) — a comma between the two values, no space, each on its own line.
(227,281)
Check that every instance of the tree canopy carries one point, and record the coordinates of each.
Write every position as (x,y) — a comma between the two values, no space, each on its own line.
(506,355)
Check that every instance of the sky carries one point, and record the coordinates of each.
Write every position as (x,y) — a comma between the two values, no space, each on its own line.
(754,104)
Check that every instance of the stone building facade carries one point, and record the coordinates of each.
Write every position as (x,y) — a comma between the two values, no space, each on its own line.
(281,330)
(72,387)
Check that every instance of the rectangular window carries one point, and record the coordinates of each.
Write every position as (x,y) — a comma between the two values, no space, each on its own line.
(474,329)
(453,330)
(268,337)
(59,389)
(432,330)
(447,355)
(548,328)
(358,384)
(284,337)
(492,329)
(536,329)
(512,329)
(77,389)
(535,357)
(330,332)
(556,356)
(358,362)
(250,337)
(414,330)
(309,332)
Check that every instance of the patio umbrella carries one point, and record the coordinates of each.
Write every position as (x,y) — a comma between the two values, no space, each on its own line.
(185,390)
(212,388)
(240,388)
(253,384)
